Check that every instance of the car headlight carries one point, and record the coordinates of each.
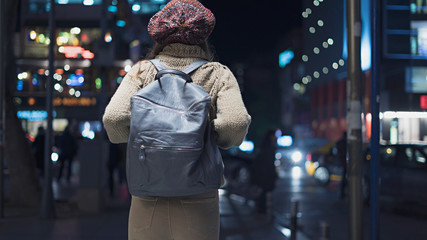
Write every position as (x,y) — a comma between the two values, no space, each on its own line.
(296,156)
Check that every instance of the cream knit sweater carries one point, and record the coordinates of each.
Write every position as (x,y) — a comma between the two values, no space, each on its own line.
(228,113)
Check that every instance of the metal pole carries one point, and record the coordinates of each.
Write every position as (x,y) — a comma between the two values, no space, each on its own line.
(325,230)
(103,25)
(294,220)
(375,128)
(2,104)
(354,121)
(47,208)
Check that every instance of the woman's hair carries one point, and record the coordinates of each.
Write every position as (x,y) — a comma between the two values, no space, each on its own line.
(157,48)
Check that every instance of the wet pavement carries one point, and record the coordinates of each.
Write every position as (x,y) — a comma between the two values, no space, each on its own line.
(239,221)
(320,204)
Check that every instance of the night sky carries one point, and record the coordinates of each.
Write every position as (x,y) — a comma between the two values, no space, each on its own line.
(248,33)
(244,27)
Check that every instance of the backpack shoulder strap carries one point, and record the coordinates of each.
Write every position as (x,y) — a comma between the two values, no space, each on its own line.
(195,65)
(158,64)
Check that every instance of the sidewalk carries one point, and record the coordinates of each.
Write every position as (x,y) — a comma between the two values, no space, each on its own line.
(238,221)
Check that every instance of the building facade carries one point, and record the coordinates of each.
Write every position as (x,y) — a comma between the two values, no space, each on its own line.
(402,78)
(95,46)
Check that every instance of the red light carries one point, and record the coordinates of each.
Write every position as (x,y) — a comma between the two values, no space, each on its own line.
(122,72)
(60,71)
(79,71)
(29,137)
(84,37)
(74,52)
(88,54)
(31,101)
(308,156)
(423,101)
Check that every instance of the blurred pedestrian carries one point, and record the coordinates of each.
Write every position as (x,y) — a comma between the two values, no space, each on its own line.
(68,150)
(38,149)
(180,31)
(115,166)
(341,147)
(265,174)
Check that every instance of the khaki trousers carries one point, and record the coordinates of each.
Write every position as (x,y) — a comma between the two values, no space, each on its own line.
(194,217)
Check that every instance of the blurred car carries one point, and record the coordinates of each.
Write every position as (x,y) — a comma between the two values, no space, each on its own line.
(298,153)
(290,157)
(403,172)
(238,172)
(323,164)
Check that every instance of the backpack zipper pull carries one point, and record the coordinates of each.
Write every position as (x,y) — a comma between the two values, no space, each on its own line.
(142,153)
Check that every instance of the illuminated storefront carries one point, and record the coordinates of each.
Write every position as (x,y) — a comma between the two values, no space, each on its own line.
(403,77)
(88,67)
(77,83)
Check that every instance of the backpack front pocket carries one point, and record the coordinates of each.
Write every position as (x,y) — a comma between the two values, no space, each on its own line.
(170,167)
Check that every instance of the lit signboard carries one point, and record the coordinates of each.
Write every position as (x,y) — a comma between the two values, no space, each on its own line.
(285,58)
(74,102)
(33,115)
(284,141)
(416,79)
(247,146)
(76,52)
(75,80)
(423,101)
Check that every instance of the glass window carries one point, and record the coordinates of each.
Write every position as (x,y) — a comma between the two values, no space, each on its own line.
(420,158)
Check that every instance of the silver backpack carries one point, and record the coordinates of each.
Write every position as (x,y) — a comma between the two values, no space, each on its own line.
(171,150)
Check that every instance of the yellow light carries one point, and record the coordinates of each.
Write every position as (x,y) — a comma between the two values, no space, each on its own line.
(305,58)
(335,65)
(325,70)
(61,40)
(389,151)
(316,74)
(76,42)
(309,166)
(335,177)
(31,101)
(33,35)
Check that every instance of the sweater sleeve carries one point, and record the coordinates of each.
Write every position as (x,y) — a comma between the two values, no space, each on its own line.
(232,119)
(116,117)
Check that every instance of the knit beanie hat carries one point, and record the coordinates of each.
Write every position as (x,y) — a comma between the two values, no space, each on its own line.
(182,21)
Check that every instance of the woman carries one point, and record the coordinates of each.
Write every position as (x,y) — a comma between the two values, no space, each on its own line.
(265,175)
(180,31)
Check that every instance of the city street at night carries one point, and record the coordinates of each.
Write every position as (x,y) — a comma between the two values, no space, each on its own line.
(123,119)
(239,221)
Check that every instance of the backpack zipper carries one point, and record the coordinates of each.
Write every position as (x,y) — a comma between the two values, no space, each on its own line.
(169,148)
(173,109)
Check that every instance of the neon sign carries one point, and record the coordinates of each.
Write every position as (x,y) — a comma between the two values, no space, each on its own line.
(76,52)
